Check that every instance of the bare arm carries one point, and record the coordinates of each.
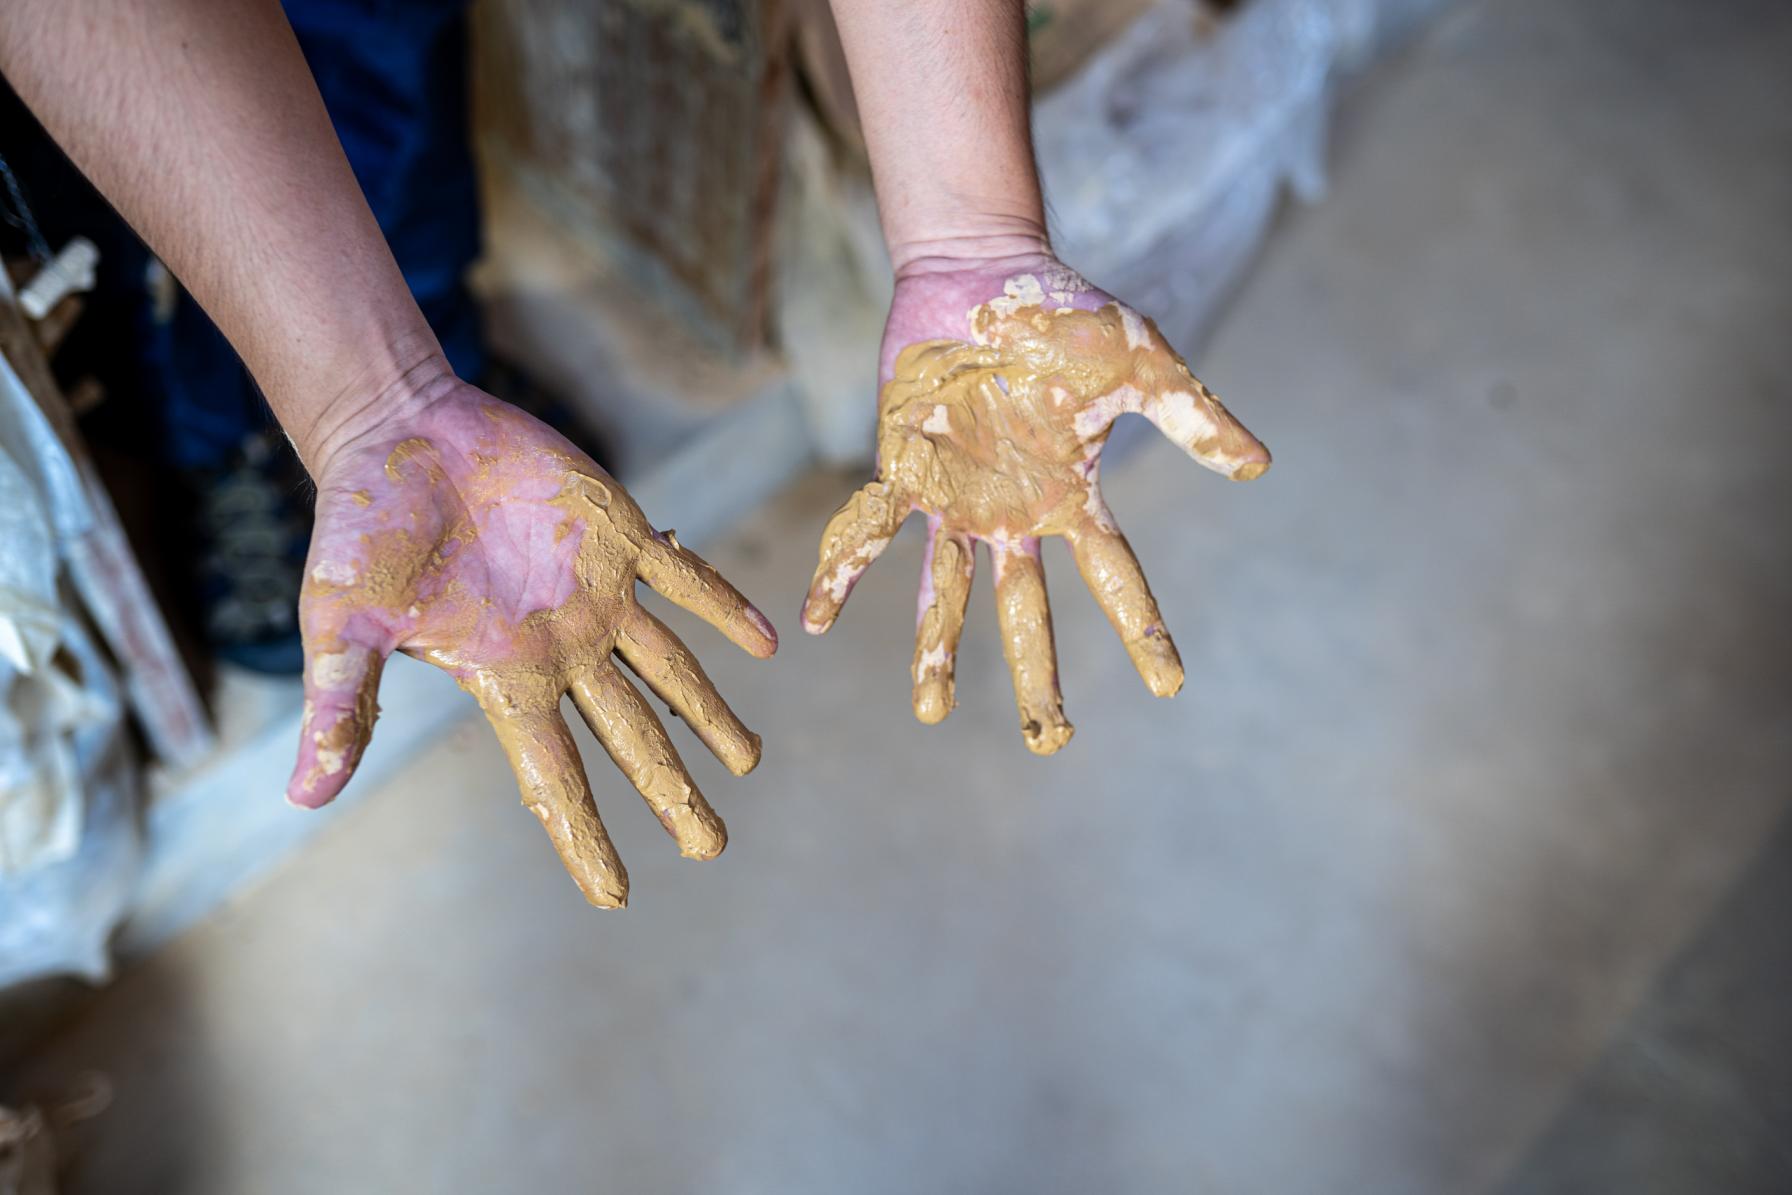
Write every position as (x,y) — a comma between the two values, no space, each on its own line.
(199,120)
(942,92)
(449,525)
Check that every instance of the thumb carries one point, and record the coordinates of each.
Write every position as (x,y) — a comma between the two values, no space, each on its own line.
(1194,419)
(341,682)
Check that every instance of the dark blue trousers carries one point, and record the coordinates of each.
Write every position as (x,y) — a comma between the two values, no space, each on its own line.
(393,74)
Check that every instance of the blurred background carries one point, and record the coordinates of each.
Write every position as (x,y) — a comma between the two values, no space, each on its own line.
(1461,864)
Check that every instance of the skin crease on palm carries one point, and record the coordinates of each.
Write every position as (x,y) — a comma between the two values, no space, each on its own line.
(1001,383)
(477,539)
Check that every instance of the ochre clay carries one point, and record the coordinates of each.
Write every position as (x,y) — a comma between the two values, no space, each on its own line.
(517,652)
(949,569)
(998,439)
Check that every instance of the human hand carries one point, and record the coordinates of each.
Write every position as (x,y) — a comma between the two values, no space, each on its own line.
(467,534)
(1000,383)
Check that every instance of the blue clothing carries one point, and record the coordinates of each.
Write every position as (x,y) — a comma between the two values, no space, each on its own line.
(393,75)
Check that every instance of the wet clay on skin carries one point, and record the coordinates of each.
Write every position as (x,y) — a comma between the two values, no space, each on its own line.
(509,560)
(998,440)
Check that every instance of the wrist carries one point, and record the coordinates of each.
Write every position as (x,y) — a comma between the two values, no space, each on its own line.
(946,246)
(400,381)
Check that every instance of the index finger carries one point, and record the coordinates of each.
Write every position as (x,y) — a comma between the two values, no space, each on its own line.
(682,576)
(1194,419)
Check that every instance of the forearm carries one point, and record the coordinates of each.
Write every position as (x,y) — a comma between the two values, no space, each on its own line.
(942,93)
(199,120)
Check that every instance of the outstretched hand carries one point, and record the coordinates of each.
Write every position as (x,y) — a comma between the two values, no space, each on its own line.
(478,539)
(1000,383)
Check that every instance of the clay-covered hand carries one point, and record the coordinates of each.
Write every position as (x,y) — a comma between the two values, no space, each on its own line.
(1000,383)
(476,538)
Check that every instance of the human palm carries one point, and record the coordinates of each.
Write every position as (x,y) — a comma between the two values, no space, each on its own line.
(1000,384)
(478,539)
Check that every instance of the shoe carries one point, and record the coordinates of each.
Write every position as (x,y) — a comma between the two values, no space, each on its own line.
(252,529)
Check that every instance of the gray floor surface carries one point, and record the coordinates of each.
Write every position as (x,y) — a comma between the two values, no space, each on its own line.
(1695,1092)
(1487,720)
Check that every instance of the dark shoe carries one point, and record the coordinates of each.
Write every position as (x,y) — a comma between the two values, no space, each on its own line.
(252,529)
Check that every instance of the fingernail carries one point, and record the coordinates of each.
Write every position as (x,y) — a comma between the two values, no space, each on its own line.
(1156,659)
(698,831)
(744,760)
(764,625)
(1045,738)
(606,890)
(934,699)
(299,798)
(815,626)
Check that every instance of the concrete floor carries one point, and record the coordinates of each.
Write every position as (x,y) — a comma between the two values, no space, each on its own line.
(1694,1093)
(1487,718)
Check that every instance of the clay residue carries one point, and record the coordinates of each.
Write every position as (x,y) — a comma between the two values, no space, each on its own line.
(338,736)
(1025,618)
(949,570)
(489,622)
(407,451)
(998,438)
(994,435)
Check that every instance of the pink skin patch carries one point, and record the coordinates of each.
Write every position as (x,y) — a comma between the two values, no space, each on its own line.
(481,541)
(999,382)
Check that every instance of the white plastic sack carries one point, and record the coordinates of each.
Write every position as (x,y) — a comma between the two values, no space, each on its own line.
(30,615)
(70,815)
(69,842)
(1165,158)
